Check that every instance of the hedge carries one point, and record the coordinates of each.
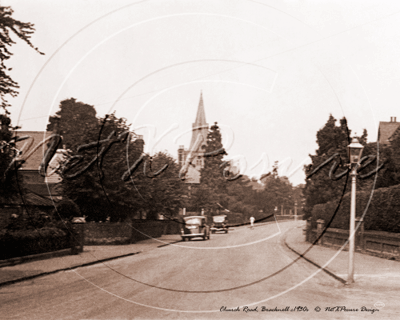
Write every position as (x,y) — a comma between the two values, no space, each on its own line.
(383,212)
(20,243)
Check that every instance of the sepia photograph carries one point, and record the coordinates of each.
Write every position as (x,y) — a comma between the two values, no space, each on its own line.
(199,159)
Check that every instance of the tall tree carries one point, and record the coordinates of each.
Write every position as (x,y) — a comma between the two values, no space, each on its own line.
(320,187)
(22,30)
(212,182)
(277,194)
(10,181)
(218,192)
(92,176)
(154,190)
(9,27)
(108,175)
(76,122)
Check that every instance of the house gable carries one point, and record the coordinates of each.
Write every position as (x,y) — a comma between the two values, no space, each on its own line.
(387,130)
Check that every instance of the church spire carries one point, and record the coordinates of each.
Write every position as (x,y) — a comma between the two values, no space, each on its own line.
(200,126)
(201,115)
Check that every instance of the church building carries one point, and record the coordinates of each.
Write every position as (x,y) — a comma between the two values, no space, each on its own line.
(191,160)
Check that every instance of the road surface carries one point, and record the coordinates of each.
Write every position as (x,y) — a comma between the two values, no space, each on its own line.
(195,280)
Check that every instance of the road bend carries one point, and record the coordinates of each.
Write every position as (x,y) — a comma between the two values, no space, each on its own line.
(190,280)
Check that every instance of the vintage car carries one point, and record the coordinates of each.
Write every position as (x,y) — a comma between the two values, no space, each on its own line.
(220,223)
(194,227)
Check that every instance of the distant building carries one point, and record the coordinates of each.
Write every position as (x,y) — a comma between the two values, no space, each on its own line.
(33,153)
(387,131)
(191,160)
(37,192)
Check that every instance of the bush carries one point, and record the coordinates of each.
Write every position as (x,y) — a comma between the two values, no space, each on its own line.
(67,209)
(18,243)
(383,210)
(34,218)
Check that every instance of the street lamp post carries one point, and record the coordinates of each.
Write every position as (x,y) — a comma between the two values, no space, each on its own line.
(354,150)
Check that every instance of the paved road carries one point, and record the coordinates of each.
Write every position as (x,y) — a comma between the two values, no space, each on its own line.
(195,280)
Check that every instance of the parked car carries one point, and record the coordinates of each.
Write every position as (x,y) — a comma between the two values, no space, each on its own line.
(194,227)
(220,223)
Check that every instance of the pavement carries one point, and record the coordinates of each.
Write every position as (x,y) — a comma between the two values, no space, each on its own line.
(376,273)
(90,255)
(369,271)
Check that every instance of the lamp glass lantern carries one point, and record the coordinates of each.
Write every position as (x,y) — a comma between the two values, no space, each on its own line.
(354,151)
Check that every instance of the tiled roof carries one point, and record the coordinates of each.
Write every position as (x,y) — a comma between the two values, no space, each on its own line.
(30,199)
(34,199)
(386,130)
(33,162)
(43,189)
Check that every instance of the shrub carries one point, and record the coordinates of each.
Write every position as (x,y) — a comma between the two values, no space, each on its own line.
(34,218)
(18,243)
(67,209)
(382,208)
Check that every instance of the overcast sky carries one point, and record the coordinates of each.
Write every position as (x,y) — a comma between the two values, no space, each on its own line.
(270,72)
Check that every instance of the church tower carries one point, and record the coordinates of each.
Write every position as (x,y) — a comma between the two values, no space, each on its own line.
(192,160)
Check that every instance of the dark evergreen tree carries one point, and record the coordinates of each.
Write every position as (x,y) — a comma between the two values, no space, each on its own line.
(212,183)
(320,187)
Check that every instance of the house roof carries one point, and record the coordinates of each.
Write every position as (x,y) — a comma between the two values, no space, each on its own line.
(34,199)
(30,199)
(36,137)
(43,189)
(386,130)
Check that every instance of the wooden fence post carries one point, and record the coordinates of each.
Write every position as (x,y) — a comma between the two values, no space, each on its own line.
(320,228)
(308,230)
(360,234)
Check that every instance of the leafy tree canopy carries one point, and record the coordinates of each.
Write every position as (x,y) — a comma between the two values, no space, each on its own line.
(10,184)
(107,150)
(76,122)
(22,30)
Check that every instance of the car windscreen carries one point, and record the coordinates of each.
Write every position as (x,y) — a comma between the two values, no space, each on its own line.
(193,221)
(218,219)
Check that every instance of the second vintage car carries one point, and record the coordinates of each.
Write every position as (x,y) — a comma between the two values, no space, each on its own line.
(220,223)
(194,227)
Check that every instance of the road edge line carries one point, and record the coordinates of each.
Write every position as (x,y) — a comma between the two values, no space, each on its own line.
(10,282)
(336,277)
